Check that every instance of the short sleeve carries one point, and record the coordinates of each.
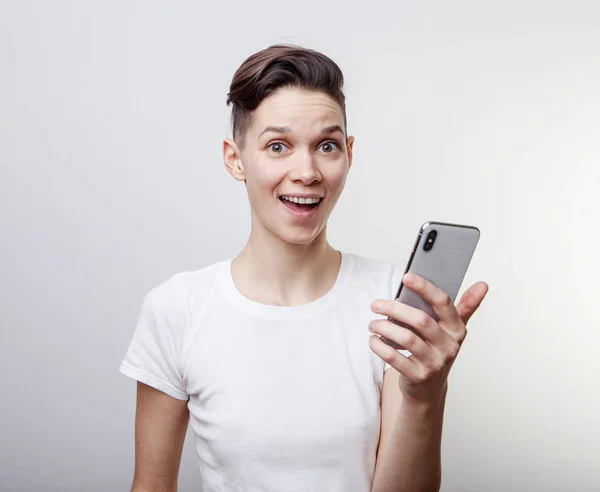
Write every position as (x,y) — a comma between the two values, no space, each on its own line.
(154,353)
(396,275)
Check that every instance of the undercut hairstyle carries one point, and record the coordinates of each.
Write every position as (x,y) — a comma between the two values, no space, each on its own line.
(276,67)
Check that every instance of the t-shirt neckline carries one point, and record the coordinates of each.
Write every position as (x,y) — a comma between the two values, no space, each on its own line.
(260,310)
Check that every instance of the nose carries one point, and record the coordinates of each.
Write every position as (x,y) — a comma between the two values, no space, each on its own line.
(305,170)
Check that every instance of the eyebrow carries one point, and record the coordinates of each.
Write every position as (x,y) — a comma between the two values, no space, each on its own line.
(286,129)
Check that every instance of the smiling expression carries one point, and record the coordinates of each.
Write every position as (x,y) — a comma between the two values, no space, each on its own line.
(294,162)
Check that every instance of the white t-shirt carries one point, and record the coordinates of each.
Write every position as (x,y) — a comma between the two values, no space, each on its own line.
(280,398)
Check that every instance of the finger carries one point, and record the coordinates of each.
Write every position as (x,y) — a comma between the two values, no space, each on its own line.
(404,365)
(426,327)
(440,301)
(471,300)
(404,337)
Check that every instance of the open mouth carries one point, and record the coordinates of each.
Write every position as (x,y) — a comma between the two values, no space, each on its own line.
(301,205)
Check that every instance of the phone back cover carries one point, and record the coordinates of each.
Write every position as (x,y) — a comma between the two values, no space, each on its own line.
(445,265)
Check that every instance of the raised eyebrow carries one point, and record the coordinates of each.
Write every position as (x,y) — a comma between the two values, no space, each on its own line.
(332,129)
(328,130)
(275,129)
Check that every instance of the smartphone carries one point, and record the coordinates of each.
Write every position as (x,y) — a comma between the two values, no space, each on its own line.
(441,255)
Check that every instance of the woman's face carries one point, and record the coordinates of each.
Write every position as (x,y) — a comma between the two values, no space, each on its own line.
(295,151)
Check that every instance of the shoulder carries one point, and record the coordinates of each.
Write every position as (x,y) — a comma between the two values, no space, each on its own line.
(380,273)
(173,294)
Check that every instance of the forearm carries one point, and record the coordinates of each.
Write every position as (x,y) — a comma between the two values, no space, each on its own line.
(409,459)
(135,488)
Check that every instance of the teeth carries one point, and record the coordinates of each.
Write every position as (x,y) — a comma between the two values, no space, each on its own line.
(301,201)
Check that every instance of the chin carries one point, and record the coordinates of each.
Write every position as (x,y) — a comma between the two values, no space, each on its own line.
(299,237)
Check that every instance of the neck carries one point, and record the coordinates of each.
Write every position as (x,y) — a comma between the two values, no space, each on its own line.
(271,271)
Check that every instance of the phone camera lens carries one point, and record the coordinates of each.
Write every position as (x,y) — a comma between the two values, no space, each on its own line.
(430,240)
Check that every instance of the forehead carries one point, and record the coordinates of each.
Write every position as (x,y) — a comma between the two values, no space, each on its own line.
(298,109)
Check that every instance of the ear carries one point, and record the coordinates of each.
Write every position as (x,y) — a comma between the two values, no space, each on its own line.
(350,145)
(232,158)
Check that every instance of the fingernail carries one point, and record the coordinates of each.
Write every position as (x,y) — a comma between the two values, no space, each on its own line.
(371,327)
(409,278)
(377,305)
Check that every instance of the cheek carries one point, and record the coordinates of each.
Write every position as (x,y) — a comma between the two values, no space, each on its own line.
(262,180)
(336,178)
(268,176)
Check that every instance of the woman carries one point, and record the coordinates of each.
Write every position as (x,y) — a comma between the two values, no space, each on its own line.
(274,356)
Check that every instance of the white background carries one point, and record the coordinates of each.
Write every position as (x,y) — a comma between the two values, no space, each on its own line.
(112,116)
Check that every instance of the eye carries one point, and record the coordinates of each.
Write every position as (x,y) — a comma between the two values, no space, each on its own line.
(329,146)
(277,147)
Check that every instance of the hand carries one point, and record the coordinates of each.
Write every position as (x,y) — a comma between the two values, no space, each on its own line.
(424,375)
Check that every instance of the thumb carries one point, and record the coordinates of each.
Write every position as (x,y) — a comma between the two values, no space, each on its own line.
(470,300)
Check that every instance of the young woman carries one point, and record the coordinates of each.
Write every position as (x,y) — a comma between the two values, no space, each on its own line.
(274,356)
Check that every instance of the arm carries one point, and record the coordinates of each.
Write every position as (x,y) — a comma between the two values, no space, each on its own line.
(160,426)
(409,454)
(414,388)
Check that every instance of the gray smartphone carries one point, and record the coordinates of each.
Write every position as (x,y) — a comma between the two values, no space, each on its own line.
(441,255)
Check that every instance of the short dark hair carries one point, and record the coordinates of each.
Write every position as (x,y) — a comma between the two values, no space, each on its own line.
(278,66)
